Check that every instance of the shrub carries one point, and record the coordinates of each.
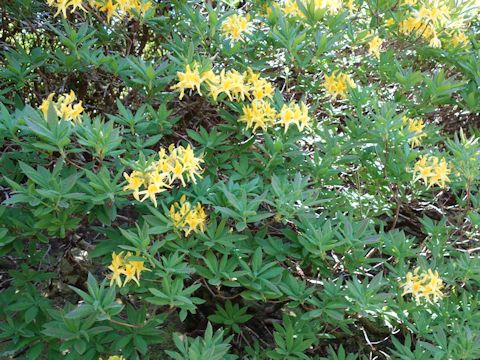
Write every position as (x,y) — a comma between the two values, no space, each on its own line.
(225,179)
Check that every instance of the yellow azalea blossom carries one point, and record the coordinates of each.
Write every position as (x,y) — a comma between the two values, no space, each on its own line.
(389,22)
(416,127)
(351,6)
(259,114)
(64,106)
(290,7)
(294,113)
(423,285)
(61,5)
(434,20)
(432,171)
(337,84)
(45,104)
(435,42)
(259,87)
(122,266)
(112,8)
(374,46)
(130,273)
(235,26)
(76,4)
(459,40)
(233,84)
(434,12)
(138,266)
(333,6)
(418,27)
(188,218)
(116,269)
(179,163)
(135,181)
(151,192)
(190,79)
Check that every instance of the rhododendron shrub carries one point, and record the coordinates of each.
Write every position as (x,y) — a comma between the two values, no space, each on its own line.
(292,179)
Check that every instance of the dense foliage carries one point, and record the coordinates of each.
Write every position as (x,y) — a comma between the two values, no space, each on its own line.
(239,180)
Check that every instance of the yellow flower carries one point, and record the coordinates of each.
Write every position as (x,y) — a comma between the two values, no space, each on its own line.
(337,84)
(440,174)
(110,8)
(45,104)
(139,266)
(389,22)
(114,357)
(74,112)
(294,113)
(260,88)
(459,39)
(76,4)
(190,164)
(130,274)
(424,285)
(179,164)
(122,266)
(435,42)
(235,26)
(413,25)
(333,6)
(188,218)
(135,181)
(63,106)
(416,127)
(374,46)
(233,84)
(290,7)
(116,269)
(436,13)
(190,79)
(351,6)
(259,114)
(61,5)
(432,171)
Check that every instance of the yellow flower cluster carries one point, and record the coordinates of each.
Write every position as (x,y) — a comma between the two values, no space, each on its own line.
(236,26)
(432,19)
(63,106)
(374,46)
(459,39)
(122,266)
(425,285)
(240,87)
(294,113)
(179,164)
(291,8)
(390,22)
(188,218)
(337,84)
(235,85)
(432,171)
(416,127)
(418,27)
(260,114)
(190,79)
(114,357)
(113,8)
